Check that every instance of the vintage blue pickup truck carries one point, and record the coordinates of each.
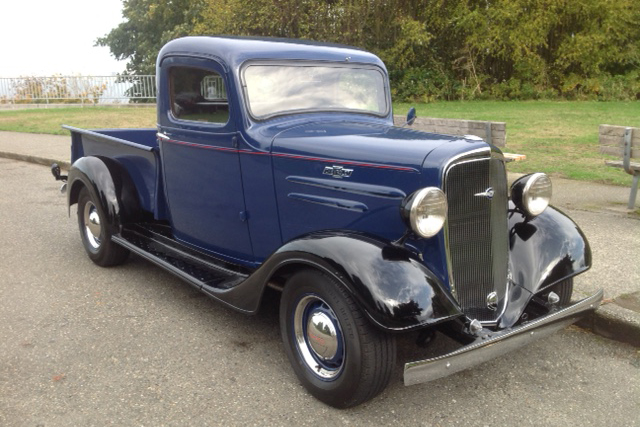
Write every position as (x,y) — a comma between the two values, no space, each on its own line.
(276,164)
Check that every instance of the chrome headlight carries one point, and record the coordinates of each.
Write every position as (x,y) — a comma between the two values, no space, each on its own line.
(425,211)
(532,193)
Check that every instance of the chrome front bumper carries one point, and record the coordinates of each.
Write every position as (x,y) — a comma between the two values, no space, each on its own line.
(498,343)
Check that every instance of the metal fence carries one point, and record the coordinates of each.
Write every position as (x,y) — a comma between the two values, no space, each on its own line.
(78,90)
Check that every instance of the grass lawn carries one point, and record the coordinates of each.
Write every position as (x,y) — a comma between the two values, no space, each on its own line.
(559,138)
(49,120)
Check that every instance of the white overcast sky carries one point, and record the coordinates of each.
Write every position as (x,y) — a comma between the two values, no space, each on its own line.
(46,37)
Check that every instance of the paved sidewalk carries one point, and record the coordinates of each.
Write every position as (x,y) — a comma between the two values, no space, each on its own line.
(600,210)
(36,148)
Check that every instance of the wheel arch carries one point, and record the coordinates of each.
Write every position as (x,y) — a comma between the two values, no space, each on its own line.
(411,297)
(109,183)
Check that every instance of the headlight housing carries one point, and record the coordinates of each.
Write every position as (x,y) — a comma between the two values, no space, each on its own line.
(425,211)
(532,193)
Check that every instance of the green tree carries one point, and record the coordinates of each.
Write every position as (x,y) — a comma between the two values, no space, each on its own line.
(434,49)
(547,43)
(147,26)
(394,30)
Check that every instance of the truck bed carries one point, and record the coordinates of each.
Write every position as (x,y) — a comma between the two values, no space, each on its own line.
(135,149)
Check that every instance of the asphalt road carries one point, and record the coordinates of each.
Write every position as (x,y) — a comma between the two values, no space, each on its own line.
(82,345)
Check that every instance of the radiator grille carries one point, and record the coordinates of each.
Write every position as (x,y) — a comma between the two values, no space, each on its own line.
(477,233)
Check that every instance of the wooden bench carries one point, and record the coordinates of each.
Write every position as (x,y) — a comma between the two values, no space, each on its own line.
(493,132)
(623,142)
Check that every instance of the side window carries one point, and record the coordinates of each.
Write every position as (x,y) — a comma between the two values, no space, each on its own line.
(198,95)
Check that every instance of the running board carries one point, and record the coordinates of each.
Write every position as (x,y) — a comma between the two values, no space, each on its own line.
(199,270)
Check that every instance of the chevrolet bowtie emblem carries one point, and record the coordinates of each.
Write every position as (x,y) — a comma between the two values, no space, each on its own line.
(337,171)
(488,193)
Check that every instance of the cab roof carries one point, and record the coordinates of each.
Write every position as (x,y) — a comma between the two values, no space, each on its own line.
(233,51)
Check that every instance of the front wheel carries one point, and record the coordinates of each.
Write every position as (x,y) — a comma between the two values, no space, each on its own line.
(337,354)
(95,235)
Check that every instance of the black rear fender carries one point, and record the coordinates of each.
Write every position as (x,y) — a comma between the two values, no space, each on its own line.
(109,183)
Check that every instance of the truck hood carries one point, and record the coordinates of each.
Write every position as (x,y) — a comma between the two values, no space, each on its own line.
(359,144)
(354,176)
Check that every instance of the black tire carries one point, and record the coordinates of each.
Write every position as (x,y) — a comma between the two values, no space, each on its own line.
(95,234)
(352,361)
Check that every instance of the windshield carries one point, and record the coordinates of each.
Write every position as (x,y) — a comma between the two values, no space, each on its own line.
(276,89)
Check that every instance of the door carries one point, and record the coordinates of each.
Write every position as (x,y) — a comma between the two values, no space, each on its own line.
(198,143)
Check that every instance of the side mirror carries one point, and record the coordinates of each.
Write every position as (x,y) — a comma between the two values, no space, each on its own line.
(411,116)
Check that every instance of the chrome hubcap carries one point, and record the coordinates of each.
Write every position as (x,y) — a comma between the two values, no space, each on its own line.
(323,338)
(318,337)
(92,228)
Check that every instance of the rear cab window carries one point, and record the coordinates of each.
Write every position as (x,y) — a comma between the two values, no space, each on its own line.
(198,95)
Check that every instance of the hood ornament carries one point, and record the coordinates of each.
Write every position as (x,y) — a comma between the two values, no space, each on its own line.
(488,193)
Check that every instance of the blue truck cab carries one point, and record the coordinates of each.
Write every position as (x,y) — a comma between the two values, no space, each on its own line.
(275,164)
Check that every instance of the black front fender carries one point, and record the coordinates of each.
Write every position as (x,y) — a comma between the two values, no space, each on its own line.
(546,249)
(109,183)
(543,251)
(388,282)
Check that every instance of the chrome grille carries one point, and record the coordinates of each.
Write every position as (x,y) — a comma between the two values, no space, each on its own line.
(477,234)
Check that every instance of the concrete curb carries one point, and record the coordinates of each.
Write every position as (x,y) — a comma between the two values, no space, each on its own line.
(614,322)
(34,159)
(609,321)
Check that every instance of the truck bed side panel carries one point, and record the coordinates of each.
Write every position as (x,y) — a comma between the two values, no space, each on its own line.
(135,149)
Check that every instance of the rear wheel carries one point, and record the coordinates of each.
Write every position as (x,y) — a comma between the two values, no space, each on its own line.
(337,354)
(95,234)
